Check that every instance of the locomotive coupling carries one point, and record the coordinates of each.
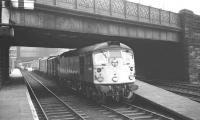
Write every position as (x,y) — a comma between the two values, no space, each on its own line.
(132,88)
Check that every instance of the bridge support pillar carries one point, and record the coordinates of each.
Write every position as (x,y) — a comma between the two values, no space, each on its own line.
(5,40)
(4,64)
(191,44)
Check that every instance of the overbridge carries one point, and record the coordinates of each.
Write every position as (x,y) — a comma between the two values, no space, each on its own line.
(162,40)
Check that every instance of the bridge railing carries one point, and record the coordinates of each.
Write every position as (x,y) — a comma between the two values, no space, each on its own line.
(119,9)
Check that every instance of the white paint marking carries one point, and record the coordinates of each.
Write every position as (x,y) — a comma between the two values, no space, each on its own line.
(34,113)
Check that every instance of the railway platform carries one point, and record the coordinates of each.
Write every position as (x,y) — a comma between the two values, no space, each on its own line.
(14,104)
(182,106)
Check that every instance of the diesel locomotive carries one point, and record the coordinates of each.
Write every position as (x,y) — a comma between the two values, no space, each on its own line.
(101,71)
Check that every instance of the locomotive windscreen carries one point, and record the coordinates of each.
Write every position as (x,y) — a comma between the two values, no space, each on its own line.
(127,57)
(100,58)
(115,54)
(103,56)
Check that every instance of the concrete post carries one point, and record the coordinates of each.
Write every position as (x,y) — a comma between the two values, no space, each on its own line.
(191,45)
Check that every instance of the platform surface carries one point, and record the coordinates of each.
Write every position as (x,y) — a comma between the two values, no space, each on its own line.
(13,101)
(173,102)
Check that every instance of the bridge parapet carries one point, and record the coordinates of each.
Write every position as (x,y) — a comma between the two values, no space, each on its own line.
(114,8)
(119,9)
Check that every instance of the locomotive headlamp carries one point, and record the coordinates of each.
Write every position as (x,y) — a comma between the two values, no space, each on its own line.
(98,70)
(114,79)
(131,68)
(100,79)
(131,77)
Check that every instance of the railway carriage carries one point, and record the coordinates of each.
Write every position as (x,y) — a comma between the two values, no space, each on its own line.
(100,71)
(35,64)
(43,65)
(54,66)
(69,68)
(51,66)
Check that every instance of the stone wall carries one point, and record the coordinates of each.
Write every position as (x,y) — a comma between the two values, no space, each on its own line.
(191,44)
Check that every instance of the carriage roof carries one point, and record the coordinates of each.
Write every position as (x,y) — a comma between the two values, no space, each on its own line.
(51,57)
(44,58)
(99,46)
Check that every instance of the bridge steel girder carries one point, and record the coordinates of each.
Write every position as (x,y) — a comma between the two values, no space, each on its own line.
(62,21)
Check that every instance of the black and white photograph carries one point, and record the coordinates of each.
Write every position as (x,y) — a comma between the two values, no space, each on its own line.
(99,60)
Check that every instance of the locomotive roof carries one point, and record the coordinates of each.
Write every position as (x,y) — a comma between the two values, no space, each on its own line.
(99,46)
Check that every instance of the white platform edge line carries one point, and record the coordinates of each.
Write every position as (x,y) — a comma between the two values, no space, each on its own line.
(34,113)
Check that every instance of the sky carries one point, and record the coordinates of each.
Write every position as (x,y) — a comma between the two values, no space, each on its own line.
(172,5)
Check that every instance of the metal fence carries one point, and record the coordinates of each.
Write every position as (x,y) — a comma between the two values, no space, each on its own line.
(119,9)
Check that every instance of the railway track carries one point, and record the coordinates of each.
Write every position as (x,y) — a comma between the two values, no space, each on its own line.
(51,105)
(184,89)
(131,112)
(184,92)
(120,111)
(189,87)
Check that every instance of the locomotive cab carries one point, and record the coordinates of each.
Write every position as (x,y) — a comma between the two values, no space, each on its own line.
(113,67)
(114,71)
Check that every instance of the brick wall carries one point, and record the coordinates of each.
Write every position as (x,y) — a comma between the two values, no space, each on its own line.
(191,44)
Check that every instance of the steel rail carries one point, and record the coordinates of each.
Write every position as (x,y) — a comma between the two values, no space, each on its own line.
(182,86)
(54,95)
(148,111)
(57,97)
(184,89)
(133,106)
(32,91)
(118,113)
(191,95)
(179,84)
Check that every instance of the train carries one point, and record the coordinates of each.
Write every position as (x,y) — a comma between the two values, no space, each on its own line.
(100,71)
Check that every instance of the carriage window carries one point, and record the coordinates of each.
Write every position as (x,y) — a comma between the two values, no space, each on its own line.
(100,58)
